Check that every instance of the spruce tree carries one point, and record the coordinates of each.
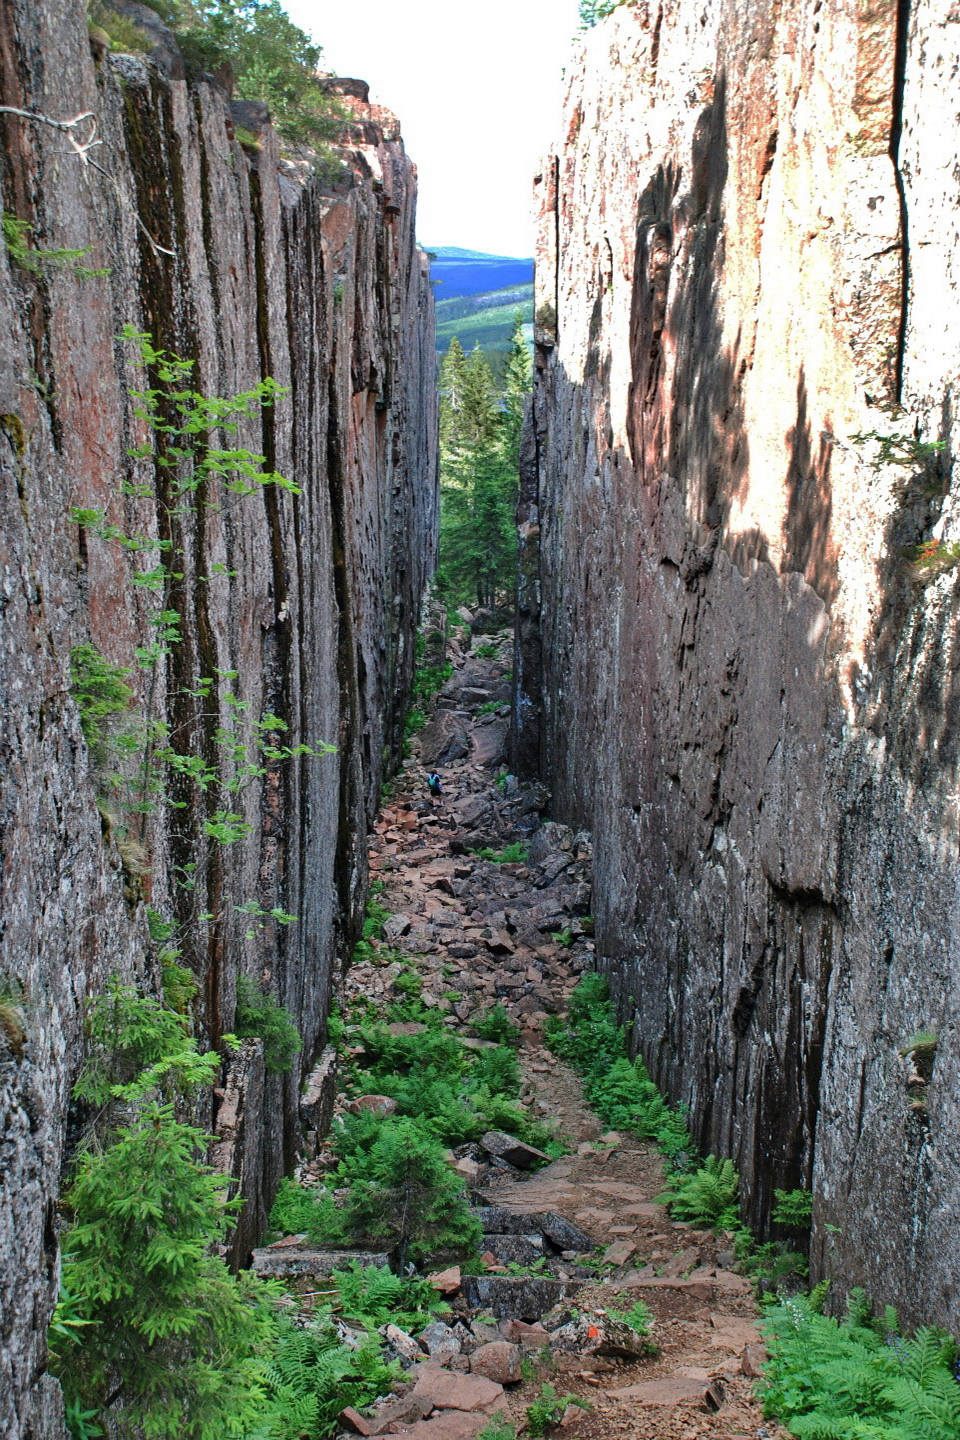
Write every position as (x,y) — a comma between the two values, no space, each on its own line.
(517,382)
(480,435)
(451,393)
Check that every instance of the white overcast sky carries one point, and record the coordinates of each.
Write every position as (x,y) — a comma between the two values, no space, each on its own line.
(476,85)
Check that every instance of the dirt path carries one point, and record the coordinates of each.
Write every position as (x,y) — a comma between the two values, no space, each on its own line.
(480,932)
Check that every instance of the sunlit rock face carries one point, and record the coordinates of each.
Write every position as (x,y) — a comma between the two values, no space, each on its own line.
(729,667)
(310,598)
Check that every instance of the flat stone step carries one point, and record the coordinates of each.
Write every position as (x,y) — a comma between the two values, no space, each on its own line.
(291,1260)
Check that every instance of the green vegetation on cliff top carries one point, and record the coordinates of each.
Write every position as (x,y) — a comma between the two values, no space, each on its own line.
(271,59)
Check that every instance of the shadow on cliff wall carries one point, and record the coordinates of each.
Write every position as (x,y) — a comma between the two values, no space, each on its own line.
(690,428)
(688,459)
(810,547)
(676,940)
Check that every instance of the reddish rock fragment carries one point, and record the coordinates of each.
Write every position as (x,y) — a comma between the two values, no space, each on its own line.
(446,1281)
(498,1361)
(355,1421)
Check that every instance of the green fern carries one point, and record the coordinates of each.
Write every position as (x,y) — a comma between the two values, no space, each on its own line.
(311,1376)
(857,1379)
(375,1296)
(619,1089)
(708,1196)
(793,1208)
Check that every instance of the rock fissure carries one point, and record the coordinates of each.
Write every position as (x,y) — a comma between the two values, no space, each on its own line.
(587,1228)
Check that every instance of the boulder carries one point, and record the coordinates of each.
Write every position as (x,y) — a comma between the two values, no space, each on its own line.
(752,1361)
(514,1152)
(679,1264)
(439,1341)
(444,739)
(473,810)
(438,1389)
(499,1361)
(596,1334)
(514,1249)
(395,926)
(563,1233)
(490,743)
(319,1093)
(400,1345)
(528,1337)
(446,1281)
(498,1220)
(375,1104)
(448,1425)
(517,1297)
(355,1421)
(400,1410)
(619,1252)
(663,1392)
(548,840)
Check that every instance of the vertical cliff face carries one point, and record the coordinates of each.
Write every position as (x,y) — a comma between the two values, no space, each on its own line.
(299,604)
(731,665)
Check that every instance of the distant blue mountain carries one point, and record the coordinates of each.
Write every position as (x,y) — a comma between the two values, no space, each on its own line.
(470,272)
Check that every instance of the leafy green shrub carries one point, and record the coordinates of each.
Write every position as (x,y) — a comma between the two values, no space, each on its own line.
(496,1025)
(376,914)
(485,652)
(454,1094)
(434,1051)
(272,60)
(593,10)
(706,1196)
(125,34)
(260,1015)
(846,1380)
(149,1317)
(36,261)
(414,723)
(300,1211)
(547,1410)
(498,1427)
(311,1376)
(639,1317)
(401,1189)
(428,679)
(793,1208)
(497,1071)
(773,1266)
(409,983)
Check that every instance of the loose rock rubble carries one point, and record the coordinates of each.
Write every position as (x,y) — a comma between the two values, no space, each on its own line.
(520,933)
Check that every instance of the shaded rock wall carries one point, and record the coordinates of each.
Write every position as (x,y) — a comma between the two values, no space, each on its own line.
(310,598)
(727,667)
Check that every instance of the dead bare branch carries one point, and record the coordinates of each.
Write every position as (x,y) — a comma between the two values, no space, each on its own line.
(81,148)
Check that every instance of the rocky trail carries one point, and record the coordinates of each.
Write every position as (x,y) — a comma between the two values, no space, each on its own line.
(586,1227)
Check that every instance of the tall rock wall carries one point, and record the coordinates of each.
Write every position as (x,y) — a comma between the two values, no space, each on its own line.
(730,665)
(300,604)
